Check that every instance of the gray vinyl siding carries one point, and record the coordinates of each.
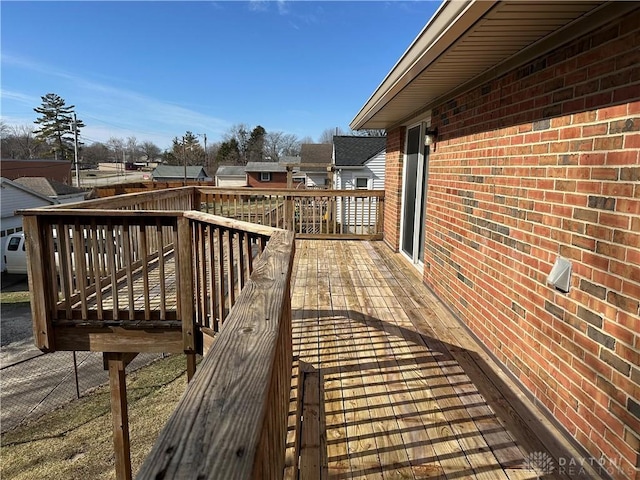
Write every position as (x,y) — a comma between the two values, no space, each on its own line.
(356,217)
(16,199)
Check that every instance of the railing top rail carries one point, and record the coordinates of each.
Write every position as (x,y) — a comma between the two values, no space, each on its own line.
(220,416)
(290,192)
(124,200)
(69,212)
(232,224)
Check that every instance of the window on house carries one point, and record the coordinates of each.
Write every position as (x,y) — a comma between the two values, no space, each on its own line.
(265,176)
(362,183)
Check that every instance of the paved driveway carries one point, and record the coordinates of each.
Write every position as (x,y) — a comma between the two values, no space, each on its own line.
(33,383)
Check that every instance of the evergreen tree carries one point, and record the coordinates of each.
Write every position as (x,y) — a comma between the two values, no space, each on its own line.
(229,153)
(186,149)
(56,126)
(255,145)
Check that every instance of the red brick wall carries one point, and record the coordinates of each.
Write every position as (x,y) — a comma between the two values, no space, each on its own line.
(52,169)
(393,186)
(278,180)
(539,163)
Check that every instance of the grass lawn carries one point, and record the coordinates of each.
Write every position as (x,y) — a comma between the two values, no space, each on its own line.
(8,298)
(75,441)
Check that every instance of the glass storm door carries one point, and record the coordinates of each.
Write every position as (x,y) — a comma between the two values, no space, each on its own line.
(415,195)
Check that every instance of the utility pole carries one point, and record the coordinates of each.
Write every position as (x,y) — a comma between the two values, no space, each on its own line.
(75,148)
(184,155)
(205,149)
(204,135)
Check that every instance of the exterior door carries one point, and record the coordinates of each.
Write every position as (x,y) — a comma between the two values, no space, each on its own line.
(414,194)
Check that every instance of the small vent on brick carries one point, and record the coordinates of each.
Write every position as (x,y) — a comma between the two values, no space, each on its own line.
(560,275)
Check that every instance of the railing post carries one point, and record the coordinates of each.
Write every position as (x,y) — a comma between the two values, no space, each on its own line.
(116,364)
(184,268)
(288,212)
(197,200)
(380,214)
(38,287)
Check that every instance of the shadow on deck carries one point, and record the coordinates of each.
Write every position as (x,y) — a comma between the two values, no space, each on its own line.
(387,383)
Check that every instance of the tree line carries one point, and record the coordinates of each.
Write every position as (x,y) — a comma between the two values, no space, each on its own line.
(55,128)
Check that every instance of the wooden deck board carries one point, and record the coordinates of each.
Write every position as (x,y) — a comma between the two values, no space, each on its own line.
(407,392)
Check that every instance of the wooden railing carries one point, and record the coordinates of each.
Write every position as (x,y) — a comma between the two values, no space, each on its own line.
(107,269)
(232,420)
(223,256)
(311,214)
(165,271)
(135,269)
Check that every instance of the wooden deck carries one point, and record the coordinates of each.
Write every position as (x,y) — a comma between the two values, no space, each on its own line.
(387,384)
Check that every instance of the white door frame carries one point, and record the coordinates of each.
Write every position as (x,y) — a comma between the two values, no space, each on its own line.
(413,257)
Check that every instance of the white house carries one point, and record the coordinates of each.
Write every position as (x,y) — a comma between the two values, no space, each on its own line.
(231,176)
(359,164)
(14,196)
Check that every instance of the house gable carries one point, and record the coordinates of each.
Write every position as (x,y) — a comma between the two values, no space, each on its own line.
(353,151)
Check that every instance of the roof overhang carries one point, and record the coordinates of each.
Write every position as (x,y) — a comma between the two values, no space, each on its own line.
(468,42)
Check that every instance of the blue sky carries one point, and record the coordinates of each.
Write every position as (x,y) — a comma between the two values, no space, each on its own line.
(155,70)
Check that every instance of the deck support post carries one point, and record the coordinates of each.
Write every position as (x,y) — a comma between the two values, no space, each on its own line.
(288,213)
(119,414)
(191,365)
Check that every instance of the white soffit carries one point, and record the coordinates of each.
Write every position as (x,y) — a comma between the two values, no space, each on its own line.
(462,41)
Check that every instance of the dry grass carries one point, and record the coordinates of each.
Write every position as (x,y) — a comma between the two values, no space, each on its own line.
(8,298)
(75,442)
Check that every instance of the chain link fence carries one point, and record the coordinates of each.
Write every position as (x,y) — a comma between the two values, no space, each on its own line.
(39,383)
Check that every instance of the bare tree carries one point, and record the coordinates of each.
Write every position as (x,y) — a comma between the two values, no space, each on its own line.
(117,147)
(279,144)
(94,154)
(20,142)
(374,132)
(150,150)
(327,135)
(132,149)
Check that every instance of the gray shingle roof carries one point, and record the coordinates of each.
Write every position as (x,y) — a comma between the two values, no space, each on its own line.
(355,151)
(176,171)
(48,187)
(265,167)
(316,153)
(231,170)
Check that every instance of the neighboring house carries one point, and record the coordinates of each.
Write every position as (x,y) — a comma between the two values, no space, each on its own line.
(266,175)
(359,162)
(510,144)
(316,163)
(231,176)
(59,170)
(359,165)
(298,178)
(14,196)
(56,191)
(167,173)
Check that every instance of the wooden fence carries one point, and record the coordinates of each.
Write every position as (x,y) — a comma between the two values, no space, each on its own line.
(311,214)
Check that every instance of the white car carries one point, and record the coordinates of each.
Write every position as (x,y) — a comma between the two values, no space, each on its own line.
(15,255)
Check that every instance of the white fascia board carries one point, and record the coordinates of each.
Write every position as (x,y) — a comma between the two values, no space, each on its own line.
(447,25)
